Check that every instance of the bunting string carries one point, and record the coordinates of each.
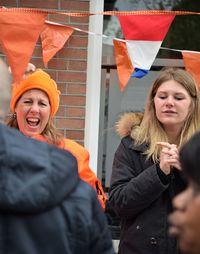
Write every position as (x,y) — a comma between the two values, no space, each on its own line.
(134,54)
(106,13)
(112,37)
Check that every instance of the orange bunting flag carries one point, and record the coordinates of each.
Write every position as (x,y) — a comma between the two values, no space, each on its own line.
(192,64)
(123,62)
(19,33)
(54,37)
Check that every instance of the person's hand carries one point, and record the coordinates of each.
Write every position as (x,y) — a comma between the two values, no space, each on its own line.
(169,157)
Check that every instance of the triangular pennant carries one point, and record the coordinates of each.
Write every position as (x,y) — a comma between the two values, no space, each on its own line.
(123,62)
(192,64)
(144,35)
(54,37)
(19,33)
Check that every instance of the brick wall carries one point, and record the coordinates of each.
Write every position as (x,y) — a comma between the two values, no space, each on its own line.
(69,65)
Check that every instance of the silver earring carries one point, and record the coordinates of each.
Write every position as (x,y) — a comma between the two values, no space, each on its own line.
(14,115)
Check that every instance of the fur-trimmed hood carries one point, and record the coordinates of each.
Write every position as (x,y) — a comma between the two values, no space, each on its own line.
(127,122)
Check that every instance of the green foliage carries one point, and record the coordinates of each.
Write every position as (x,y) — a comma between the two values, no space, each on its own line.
(184,31)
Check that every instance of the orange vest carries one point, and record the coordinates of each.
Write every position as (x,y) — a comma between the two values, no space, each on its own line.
(84,170)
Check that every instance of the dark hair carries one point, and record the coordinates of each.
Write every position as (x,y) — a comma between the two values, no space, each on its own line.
(190,159)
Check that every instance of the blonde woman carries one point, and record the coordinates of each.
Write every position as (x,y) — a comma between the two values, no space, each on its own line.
(146,170)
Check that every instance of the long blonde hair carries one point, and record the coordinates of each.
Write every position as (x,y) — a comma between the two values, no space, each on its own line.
(151,130)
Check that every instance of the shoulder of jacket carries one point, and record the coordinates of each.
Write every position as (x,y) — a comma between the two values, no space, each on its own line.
(127,122)
(75,148)
(84,192)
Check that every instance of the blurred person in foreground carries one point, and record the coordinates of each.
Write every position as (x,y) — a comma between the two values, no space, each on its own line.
(44,206)
(185,220)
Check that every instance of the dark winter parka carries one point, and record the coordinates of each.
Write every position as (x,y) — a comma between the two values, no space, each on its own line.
(141,195)
(44,207)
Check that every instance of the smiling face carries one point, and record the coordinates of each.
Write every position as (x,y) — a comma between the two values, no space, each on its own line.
(33,112)
(172,104)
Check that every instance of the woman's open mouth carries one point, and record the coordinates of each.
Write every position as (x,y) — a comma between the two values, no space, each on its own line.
(33,122)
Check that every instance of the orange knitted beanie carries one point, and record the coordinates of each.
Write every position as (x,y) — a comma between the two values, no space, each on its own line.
(37,80)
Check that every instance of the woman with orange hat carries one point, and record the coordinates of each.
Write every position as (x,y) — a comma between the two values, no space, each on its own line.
(34,102)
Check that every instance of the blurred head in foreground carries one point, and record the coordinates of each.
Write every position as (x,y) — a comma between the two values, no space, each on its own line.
(185,223)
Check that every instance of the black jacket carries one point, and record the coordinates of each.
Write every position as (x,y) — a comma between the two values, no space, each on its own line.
(44,207)
(142,199)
